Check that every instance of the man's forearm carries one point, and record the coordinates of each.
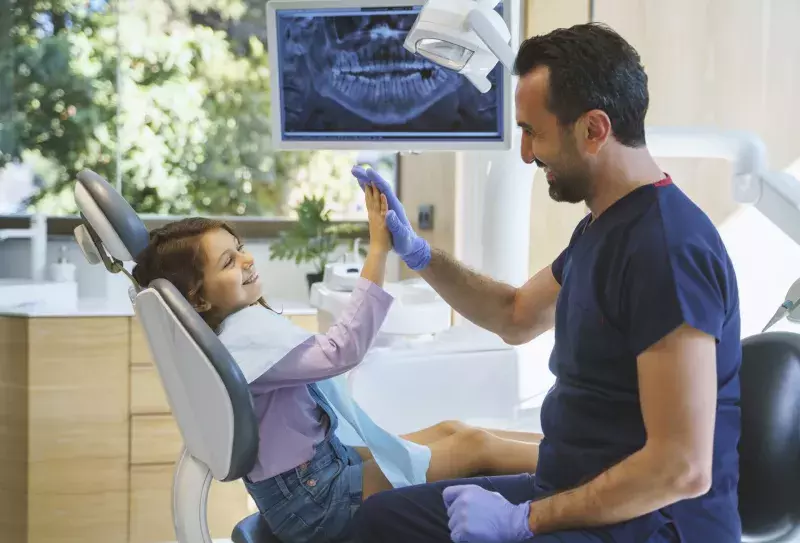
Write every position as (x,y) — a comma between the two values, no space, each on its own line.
(481,299)
(638,485)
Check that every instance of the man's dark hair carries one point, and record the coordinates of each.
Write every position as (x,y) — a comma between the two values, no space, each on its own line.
(591,67)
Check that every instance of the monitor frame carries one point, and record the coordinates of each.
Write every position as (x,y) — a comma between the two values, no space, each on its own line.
(405,145)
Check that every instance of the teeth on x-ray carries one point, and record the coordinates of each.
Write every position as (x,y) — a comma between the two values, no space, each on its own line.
(386,83)
(367,70)
(359,63)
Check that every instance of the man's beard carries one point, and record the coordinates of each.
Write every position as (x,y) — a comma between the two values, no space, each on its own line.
(570,188)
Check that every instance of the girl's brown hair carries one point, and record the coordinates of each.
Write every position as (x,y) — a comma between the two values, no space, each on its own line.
(174,253)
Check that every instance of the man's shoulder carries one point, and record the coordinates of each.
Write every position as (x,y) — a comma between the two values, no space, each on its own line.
(674,224)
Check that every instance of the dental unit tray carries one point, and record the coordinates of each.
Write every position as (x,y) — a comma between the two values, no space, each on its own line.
(342,276)
(417,309)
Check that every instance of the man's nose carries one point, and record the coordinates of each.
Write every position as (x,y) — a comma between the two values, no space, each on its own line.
(527,155)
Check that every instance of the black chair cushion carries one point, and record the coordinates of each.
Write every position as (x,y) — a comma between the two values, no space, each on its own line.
(253,529)
(770,444)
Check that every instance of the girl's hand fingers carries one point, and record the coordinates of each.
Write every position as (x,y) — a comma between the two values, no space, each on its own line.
(384,204)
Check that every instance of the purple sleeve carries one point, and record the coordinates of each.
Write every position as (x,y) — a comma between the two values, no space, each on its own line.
(340,349)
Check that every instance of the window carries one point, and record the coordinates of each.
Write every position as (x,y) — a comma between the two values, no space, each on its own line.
(167,100)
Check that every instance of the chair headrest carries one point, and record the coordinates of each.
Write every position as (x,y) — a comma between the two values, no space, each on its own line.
(120,229)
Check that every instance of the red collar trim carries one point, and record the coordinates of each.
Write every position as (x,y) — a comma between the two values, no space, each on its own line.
(664,182)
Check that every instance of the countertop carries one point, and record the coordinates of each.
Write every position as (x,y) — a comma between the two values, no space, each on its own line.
(106,308)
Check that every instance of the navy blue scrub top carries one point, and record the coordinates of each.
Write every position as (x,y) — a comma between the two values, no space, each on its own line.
(651,262)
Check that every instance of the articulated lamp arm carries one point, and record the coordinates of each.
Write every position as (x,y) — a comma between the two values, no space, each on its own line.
(491,29)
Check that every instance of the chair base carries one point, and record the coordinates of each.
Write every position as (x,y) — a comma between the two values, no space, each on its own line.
(253,529)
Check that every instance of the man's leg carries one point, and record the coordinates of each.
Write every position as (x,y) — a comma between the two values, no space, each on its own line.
(417,513)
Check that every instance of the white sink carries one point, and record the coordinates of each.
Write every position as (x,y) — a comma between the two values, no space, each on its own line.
(16,293)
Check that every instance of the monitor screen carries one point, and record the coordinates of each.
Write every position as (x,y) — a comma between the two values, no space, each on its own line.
(345,80)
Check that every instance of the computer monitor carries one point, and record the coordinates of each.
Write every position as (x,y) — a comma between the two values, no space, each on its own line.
(341,79)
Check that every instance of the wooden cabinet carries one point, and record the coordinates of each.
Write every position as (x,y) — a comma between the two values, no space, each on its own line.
(87,442)
(13,428)
(68,444)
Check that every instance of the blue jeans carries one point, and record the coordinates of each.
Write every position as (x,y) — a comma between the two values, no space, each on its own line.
(316,501)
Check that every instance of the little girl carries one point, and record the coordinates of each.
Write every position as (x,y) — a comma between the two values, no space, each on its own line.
(305,482)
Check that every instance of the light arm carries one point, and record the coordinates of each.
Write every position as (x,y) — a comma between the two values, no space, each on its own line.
(678,391)
(485,23)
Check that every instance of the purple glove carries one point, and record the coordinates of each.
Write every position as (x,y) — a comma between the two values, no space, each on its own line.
(480,516)
(414,250)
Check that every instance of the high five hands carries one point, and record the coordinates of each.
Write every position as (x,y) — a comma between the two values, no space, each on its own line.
(414,250)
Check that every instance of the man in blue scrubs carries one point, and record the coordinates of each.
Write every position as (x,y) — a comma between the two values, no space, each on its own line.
(642,425)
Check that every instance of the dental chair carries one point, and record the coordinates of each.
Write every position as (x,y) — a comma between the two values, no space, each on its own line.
(207,393)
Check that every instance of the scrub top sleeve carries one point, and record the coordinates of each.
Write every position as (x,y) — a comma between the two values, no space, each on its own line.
(557,267)
(664,288)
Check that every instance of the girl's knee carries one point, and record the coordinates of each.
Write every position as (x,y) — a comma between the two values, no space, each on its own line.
(477,442)
(452,427)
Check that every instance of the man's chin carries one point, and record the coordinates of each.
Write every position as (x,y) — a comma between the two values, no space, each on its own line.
(563,196)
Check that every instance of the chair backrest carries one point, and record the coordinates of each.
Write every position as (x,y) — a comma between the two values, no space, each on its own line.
(205,388)
(770,444)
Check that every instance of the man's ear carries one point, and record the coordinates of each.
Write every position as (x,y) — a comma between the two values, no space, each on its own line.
(597,129)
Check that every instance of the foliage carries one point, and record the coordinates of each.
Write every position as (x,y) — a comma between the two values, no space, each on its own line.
(170,96)
(313,237)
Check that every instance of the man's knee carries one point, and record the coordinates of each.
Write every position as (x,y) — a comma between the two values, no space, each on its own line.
(376,513)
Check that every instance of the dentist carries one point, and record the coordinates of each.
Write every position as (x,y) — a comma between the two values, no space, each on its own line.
(642,426)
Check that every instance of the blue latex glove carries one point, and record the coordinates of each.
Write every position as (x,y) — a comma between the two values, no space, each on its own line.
(480,516)
(414,250)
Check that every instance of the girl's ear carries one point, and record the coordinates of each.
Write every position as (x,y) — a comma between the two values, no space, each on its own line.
(202,306)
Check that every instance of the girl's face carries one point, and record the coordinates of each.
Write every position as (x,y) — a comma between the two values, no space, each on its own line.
(230,279)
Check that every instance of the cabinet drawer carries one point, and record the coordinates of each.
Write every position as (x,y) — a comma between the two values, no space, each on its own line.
(155,439)
(151,505)
(147,392)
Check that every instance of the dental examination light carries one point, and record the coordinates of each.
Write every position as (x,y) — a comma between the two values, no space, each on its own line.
(467,36)
(343,78)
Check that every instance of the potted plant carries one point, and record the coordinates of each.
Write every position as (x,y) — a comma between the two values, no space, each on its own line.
(313,238)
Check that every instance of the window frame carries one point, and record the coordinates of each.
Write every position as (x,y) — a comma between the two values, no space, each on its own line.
(246,227)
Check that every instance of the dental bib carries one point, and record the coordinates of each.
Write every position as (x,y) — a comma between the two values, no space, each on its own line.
(258,339)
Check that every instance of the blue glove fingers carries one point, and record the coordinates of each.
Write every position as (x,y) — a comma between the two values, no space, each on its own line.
(451,494)
(402,237)
(459,531)
(361,176)
(366,177)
